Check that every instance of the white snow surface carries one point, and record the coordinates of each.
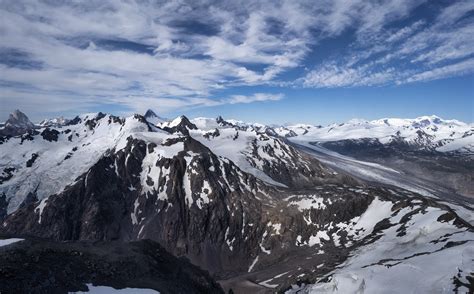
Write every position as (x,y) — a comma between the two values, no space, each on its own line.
(237,145)
(254,262)
(6,242)
(412,263)
(106,290)
(305,202)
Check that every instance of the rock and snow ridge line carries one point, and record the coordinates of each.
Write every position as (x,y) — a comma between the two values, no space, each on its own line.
(59,154)
(431,132)
(425,132)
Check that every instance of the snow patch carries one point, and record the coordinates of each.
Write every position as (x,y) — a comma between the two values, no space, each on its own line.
(6,242)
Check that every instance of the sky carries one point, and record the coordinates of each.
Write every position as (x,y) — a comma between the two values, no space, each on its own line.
(275,61)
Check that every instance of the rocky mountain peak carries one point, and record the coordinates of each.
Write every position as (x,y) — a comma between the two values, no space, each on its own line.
(153,118)
(18,123)
(219,119)
(150,113)
(56,122)
(19,120)
(180,124)
(223,122)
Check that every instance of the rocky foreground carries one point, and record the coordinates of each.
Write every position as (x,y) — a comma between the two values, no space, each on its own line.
(35,265)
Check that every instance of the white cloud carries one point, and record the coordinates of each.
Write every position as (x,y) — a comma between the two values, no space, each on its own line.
(67,39)
(456,69)
(257,97)
(332,76)
(419,51)
(187,50)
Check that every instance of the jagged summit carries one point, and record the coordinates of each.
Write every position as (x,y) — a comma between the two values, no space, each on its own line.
(56,122)
(19,119)
(18,123)
(150,113)
(153,118)
(180,124)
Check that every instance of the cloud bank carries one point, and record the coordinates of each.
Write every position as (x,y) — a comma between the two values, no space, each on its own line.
(169,55)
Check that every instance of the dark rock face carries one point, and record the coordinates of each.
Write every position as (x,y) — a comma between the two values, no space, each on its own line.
(373,147)
(30,161)
(174,190)
(6,174)
(30,199)
(17,124)
(212,134)
(291,133)
(151,116)
(91,123)
(50,135)
(19,119)
(150,113)
(40,266)
(28,136)
(223,122)
(74,121)
(3,206)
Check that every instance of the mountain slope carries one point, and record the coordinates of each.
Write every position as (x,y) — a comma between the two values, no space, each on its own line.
(46,161)
(262,154)
(402,255)
(153,118)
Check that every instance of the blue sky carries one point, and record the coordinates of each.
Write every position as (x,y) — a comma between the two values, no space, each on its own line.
(263,61)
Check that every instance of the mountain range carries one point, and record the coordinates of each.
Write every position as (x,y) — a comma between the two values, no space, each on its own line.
(296,209)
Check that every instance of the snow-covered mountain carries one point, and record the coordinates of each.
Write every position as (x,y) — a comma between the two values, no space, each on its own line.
(153,118)
(259,152)
(423,133)
(46,161)
(237,199)
(54,122)
(17,123)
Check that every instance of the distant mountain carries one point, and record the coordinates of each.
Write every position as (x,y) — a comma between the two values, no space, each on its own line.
(423,133)
(54,122)
(239,200)
(153,118)
(18,123)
